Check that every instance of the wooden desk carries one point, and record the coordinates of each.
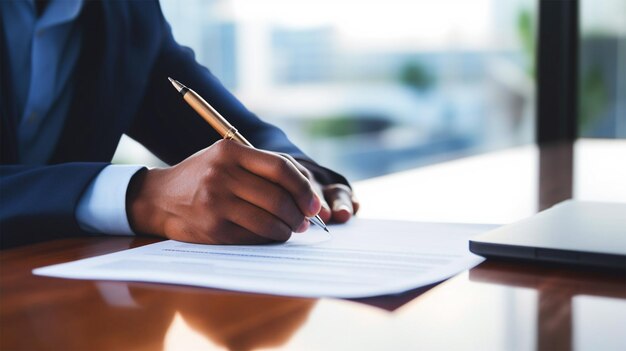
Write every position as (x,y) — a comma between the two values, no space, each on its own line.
(495,306)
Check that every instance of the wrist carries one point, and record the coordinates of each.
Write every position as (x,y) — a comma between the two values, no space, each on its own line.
(141,198)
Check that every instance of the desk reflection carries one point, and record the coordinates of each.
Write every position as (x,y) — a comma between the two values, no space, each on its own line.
(557,287)
(497,306)
(41,313)
(229,320)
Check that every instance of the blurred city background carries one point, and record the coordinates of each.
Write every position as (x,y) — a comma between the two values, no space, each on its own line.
(373,87)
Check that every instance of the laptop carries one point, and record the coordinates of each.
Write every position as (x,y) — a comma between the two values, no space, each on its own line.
(572,232)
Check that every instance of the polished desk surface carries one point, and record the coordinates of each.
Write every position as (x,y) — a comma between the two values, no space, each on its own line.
(494,306)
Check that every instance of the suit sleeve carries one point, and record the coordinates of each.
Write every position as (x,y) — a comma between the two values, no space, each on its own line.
(172,130)
(38,202)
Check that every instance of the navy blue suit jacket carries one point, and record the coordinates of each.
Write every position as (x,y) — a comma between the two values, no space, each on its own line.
(121,87)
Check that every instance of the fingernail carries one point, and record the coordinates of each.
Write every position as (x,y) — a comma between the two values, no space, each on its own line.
(342,207)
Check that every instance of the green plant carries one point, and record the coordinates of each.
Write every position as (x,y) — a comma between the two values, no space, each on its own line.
(416,76)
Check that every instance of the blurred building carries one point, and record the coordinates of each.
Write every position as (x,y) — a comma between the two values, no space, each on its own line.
(219,50)
(366,109)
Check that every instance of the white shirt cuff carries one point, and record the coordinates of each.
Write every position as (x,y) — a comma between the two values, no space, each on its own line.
(102,208)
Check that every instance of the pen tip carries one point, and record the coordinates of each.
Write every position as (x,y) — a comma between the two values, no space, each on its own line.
(326,229)
(179,87)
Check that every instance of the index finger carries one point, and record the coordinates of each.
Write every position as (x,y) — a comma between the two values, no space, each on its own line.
(281,171)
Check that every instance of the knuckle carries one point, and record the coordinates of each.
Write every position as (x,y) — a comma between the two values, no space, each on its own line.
(300,167)
(205,200)
(287,156)
(213,176)
(215,199)
(211,201)
(337,188)
(224,147)
(306,173)
(219,146)
(282,165)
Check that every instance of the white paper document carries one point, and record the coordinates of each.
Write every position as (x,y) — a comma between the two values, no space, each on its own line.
(359,259)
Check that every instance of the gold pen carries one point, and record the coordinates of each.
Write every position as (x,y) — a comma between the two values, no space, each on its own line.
(221,125)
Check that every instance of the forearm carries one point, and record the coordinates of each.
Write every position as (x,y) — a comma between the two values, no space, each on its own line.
(38,202)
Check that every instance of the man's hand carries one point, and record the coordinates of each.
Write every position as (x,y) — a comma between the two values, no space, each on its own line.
(228,194)
(339,203)
(343,203)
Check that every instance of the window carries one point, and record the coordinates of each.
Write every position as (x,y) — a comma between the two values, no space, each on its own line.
(602,69)
(373,87)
